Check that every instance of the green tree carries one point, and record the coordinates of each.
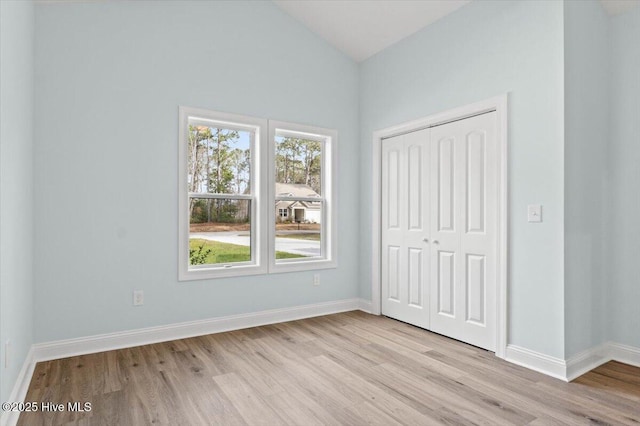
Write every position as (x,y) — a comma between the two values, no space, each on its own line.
(216,166)
(240,161)
(198,160)
(220,172)
(287,155)
(298,161)
(311,160)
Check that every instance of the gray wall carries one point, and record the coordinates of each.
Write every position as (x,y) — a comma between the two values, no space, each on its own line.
(586,181)
(482,50)
(109,79)
(623,225)
(16,187)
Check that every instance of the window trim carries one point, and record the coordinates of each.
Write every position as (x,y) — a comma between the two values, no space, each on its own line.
(259,236)
(329,196)
(262,196)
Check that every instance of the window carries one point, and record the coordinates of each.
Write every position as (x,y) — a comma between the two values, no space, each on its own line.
(230,174)
(302,183)
(220,234)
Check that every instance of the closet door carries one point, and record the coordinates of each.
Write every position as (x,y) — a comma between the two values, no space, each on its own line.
(405,228)
(463,230)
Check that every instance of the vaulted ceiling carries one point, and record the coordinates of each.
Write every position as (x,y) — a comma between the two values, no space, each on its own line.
(362,28)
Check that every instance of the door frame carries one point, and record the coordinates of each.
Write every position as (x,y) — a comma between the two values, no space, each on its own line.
(499,104)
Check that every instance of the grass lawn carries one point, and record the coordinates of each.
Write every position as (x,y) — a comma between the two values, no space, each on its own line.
(228,253)
(301,236)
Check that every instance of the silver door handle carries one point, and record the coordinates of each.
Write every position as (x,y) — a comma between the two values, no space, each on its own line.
(426,240)
(436,242)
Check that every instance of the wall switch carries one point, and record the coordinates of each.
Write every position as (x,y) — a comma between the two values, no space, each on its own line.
(534,213)
(138,297)
(316,279)
(7,347)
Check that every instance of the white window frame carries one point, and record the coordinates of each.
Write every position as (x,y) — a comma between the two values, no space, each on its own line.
(329,235)
(283,213)
(259,234)
(263,215)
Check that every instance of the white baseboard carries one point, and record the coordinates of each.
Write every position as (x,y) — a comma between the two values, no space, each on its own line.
(578,364)
(19,392)
(545,364)
(624,353)
(126,339)
(586,361)
(592,358)
(364,305)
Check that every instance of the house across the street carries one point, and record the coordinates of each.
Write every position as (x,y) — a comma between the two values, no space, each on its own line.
(299,211)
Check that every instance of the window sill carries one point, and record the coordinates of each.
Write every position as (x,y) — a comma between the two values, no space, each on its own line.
(300,266)
(221,272)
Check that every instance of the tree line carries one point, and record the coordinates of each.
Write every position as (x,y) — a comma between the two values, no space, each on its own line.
(217,165)
(298,161)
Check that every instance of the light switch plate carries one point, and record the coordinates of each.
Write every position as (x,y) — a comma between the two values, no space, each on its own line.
(534,213)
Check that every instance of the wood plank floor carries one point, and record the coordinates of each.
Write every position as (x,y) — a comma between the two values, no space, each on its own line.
(343,369)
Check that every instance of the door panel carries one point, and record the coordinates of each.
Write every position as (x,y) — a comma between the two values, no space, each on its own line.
(393,191)
(393,280)
(392,221)
(405,225)
(445,187)
(446,288)
(470,287)
(475,181)
(416,278)
(476,294)
(415,182)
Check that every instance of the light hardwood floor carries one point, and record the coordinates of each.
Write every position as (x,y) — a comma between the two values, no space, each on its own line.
(347,369)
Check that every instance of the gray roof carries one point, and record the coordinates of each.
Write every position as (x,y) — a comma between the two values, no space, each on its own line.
(296,190)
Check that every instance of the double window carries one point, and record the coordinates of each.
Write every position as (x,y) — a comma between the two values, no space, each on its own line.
(256,196)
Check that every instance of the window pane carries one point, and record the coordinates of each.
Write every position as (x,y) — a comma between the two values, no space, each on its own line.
(298,167)
(298,234)
(219,231)
(219,160)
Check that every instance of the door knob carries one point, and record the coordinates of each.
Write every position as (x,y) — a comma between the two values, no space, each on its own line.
(436,242)
(426,240)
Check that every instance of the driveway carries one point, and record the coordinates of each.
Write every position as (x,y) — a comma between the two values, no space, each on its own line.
(289,245)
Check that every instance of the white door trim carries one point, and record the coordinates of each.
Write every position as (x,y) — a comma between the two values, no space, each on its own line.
(499,105)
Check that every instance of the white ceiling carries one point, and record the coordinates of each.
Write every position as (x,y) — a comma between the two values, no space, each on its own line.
(362,28)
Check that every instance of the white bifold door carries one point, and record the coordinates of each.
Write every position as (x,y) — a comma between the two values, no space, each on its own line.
(439,214)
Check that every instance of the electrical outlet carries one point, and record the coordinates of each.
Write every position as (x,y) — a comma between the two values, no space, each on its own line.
(316,279)
(7,347)
(138,297)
